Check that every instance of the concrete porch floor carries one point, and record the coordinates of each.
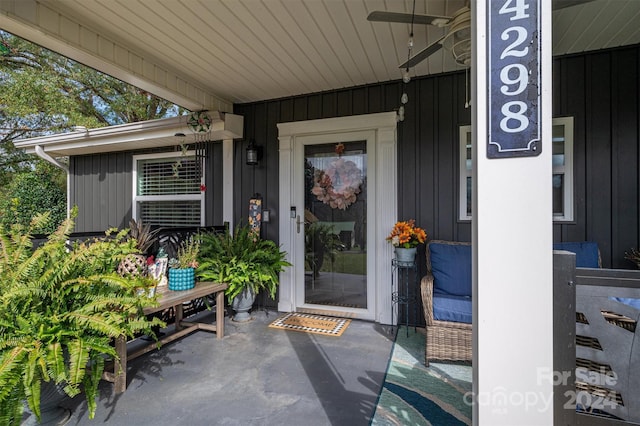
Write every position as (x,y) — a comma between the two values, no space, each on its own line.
(255,375)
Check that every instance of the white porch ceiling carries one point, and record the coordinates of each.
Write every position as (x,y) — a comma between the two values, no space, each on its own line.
(208,54)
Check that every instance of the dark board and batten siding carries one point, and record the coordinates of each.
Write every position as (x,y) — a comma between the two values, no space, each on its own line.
(427,146)
(600,90)
(102,188)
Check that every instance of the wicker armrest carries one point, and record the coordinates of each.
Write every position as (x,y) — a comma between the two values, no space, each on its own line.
(426,291)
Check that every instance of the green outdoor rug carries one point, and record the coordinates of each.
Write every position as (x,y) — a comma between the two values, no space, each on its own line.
(413,394)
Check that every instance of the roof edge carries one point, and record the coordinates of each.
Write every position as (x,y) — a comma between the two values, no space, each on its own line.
(132,136)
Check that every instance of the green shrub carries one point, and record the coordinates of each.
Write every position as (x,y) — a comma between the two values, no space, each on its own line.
(60,309)
(32,193)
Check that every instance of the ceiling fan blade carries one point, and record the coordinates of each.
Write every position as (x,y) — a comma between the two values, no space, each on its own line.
(561,4)
(423,54)
(405,18)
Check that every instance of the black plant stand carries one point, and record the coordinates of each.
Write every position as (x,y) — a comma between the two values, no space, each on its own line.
(404,295)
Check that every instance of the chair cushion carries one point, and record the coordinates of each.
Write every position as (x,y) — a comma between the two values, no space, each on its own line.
(633,302)
(586,252)
(451,268)
(452,308)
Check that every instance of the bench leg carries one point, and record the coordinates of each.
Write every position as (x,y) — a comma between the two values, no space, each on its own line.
(179,316)
(220,315)
(120,365)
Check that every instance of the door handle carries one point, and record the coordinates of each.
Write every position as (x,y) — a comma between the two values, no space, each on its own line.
(298,222)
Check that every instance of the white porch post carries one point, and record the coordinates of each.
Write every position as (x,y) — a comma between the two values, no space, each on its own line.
(512,264)
(227,182)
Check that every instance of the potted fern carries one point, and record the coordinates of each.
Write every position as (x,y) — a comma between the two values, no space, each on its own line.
(247,263)
(60,308)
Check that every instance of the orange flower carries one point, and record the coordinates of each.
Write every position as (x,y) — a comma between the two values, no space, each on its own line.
(405,234)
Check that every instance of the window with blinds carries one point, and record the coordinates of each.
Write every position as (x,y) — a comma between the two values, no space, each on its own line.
(167,190)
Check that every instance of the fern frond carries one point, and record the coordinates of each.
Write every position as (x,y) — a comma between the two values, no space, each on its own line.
(11,370)
(145,326)
(30,368)
(12,342)
(90,383)
(32,391)
(31,380)
(27,291)
(78,357)
(100,323)
(65,229)
(55,362)
(11,407)
(99,346)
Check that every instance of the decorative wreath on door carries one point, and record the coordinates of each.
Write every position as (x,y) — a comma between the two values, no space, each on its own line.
(339,184)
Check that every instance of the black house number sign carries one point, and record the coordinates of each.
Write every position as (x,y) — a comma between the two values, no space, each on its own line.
(513,37)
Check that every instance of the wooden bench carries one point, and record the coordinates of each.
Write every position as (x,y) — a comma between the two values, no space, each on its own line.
(167,299)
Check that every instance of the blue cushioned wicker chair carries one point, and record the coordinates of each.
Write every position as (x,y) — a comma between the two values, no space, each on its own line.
(446,300)
(587,253)
(446,295)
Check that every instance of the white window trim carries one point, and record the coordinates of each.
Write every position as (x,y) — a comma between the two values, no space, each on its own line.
(139,198)
(464,173)
(380,131)
(567,170)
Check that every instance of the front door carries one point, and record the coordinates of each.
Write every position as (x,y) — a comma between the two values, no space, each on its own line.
(335,225)
(337,204)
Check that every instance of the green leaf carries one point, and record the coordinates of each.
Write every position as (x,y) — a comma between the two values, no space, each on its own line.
(78,358)
(55,362)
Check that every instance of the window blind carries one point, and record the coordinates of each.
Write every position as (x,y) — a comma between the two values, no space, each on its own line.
(167,176)
(168,191)
(171,213)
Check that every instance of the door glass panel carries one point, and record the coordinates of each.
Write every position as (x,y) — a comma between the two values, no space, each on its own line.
(335,224)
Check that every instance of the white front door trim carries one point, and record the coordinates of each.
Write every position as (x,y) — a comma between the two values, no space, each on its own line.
(379,130)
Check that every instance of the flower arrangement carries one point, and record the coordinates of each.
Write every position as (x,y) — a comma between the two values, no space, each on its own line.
(406,234)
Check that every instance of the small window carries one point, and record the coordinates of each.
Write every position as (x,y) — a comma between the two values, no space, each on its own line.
(562,157)
(167,190)
(466,172)
(562,160)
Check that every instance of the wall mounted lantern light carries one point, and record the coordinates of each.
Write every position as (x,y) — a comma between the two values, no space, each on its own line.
(253,154)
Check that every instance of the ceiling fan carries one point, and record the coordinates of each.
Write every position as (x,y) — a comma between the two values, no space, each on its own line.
(457,37)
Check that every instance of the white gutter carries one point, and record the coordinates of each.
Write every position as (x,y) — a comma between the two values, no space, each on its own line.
(132,136)
(40,153)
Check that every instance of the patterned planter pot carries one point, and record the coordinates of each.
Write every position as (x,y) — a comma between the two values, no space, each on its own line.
(182,279)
